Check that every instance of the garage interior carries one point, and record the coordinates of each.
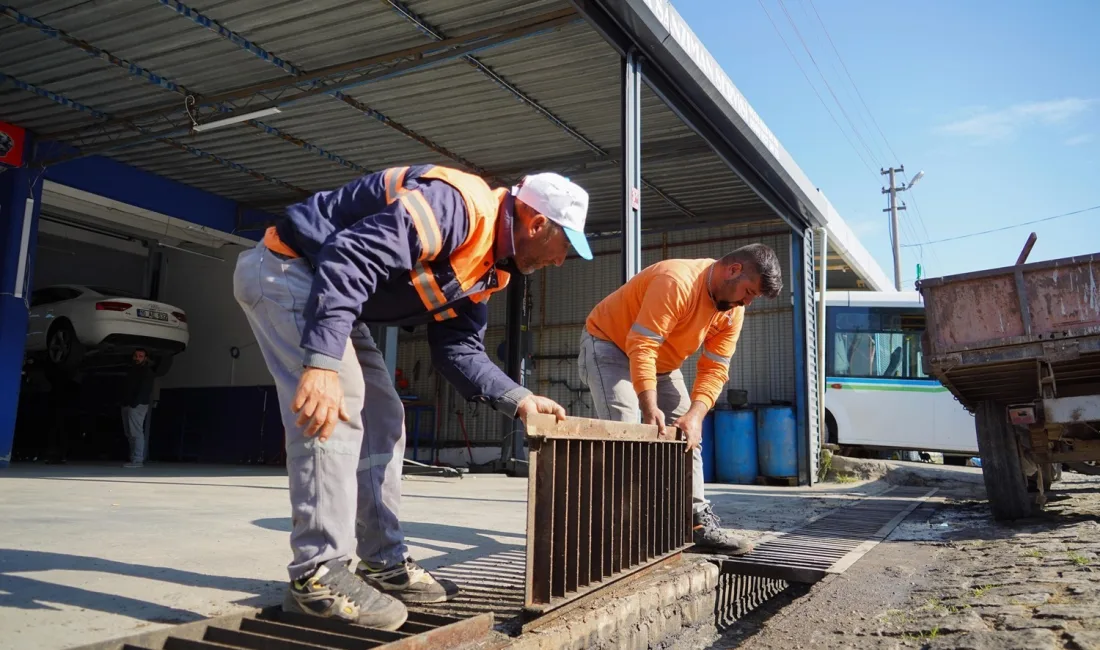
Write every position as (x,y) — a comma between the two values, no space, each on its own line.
(131,195)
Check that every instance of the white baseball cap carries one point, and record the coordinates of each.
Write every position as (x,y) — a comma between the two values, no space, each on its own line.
(559,200)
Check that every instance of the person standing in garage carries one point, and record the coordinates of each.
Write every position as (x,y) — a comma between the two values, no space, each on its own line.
(138,393)
(404,246)
(636,339)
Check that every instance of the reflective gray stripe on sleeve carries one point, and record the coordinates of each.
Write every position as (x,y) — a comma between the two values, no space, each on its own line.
(725,361)
(648,333)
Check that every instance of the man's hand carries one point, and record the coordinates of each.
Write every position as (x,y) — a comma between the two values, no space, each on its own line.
(539,404)
(319,401)
(647,400)
(691,423)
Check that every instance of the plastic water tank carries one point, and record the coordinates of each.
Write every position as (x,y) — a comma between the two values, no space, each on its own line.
(708,448)
(777,441)
(735,455)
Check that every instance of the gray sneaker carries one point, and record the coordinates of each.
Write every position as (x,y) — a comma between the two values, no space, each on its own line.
(333,591)
(408,581)
(707,533)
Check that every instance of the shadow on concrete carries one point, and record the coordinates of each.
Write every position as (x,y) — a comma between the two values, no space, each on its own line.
(481,542)
(24,592)
(91,479)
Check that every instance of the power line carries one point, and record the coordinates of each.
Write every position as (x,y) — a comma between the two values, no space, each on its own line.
(1015,225)
(859,94)
(805,46)
(814,88)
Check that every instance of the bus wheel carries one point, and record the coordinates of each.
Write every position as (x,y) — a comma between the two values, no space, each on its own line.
(1005,485)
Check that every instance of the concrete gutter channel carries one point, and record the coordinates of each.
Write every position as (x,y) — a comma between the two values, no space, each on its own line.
(689,596)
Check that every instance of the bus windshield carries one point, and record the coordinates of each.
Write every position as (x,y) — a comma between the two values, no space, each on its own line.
(878,392)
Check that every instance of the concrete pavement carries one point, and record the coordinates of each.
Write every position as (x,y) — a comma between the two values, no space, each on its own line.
(90,553)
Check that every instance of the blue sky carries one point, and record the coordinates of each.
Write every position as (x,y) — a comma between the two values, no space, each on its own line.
(997,101)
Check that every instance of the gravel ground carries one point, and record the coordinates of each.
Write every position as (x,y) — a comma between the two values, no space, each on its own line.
(953,578)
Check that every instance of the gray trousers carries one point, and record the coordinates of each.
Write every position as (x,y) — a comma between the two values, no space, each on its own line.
(605,369)
(345,493)
(133,419)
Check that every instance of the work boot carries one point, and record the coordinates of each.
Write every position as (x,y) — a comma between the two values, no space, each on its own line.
(707,533)
(333,591)
(408,581)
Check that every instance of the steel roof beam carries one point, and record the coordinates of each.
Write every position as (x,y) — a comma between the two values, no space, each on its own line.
(292,69)
(135,70)
(436,34)
(61,100)
(286,92)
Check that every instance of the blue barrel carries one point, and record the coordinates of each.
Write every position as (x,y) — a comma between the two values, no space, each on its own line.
(735,457)
(708,448)
(777,441)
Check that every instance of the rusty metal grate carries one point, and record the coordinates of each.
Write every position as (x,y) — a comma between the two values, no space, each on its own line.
(273,629)
(831,542)
(739,595)
(605,499)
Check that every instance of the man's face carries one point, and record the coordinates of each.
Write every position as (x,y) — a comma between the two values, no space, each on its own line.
(139,357)
(738,288)
(539,243)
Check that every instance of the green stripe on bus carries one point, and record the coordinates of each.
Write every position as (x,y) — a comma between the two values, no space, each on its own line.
(894,388)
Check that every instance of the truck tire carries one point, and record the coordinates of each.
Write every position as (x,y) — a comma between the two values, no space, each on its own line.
(1005,484)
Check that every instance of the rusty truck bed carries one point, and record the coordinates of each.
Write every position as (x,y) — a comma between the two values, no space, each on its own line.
(988,332)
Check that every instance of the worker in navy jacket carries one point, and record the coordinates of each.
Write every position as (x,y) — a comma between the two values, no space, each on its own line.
(420,245)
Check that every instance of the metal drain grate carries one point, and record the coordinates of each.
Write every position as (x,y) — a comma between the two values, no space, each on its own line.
(493,583)
(605,500)
(273,629)
(832,542)
(739,595)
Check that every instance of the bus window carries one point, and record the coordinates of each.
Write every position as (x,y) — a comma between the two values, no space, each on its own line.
(877,342)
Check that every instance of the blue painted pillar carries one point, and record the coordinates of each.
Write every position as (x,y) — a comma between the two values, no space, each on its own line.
(20,200)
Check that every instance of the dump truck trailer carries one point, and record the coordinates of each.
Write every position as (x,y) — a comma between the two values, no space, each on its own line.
(1019,347)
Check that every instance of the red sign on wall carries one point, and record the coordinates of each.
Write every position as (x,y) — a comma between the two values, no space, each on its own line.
(11,144)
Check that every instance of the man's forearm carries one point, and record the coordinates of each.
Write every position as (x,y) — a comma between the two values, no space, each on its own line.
(698,409)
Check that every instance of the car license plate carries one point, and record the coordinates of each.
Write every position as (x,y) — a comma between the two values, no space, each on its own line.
(152,315)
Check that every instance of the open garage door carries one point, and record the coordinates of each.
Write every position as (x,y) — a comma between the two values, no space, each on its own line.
(104,284)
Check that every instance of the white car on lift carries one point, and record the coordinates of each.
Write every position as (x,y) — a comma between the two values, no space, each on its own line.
(70,322)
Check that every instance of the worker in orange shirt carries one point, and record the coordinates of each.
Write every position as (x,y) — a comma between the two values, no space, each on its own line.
(636,339)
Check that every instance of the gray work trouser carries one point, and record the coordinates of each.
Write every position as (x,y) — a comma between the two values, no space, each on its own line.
(133,419)
(605,369)
(344,492)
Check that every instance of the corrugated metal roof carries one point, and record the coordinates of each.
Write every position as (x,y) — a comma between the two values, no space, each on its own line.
(571,73)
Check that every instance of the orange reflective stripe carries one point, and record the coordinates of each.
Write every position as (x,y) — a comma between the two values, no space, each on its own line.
(446,314)
(423,218)
(275,244)
(424,281)
(502,282)
(394,181)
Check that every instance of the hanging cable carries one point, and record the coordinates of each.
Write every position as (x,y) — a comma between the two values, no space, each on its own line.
(828,86)
(1003,228)
(812,86)
(853,82)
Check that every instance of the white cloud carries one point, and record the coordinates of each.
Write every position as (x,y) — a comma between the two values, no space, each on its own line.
(1000,124)
(867,227)
(1084,138)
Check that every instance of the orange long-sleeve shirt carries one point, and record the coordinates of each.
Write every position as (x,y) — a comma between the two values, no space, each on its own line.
(661,317)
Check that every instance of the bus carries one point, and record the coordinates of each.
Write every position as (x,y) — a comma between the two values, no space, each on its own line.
(878,394)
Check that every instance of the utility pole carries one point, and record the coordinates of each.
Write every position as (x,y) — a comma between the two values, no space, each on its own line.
(895,240)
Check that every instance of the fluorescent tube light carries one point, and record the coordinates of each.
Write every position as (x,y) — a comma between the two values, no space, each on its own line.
(234,119)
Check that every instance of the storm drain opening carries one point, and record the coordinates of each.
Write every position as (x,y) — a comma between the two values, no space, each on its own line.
(831,542)
(785,564)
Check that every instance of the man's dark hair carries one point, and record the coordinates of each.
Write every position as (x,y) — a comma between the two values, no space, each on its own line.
(764,262)
(142,350)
